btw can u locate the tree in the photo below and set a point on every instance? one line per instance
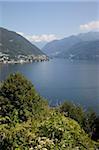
(18, 96)
(73, 111)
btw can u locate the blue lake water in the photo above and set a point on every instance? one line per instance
(59, 80)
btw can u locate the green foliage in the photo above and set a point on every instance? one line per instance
(65, 133)
(26, 121)
(95, 134)
(73, 111)
(54, 132)
(18, 98)
(88, 120)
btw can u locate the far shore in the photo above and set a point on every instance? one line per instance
(23, 61)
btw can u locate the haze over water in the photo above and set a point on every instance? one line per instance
(59, 80)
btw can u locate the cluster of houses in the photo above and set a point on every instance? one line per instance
(5, 58)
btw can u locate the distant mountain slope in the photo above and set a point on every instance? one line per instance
(56, 47)
(14, 44)
(89, 36)
(60, 48)
(83, 50)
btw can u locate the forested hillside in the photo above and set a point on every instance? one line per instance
(14, 44)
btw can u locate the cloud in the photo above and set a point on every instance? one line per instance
(90, 25)
(42, 38)
(39, 38)
(21, 33)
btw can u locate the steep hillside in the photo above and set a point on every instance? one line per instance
(14, 44)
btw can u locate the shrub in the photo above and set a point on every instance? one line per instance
(19, 99)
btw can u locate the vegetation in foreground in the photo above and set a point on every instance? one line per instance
(27, 122)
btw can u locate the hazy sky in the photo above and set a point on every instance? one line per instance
(41, 21)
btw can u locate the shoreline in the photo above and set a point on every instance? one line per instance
(23, 62)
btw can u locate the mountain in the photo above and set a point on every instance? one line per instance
(75, 44)
(14, 44)
(56, 47)
(89, 36)
(86, 50)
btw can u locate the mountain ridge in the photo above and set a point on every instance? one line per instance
(61, 47)
(14, 44)
(87, 50)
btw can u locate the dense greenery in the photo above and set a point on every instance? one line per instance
(27, 122)
(88, 120)
(19, 98)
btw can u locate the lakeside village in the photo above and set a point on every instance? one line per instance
(5, 58)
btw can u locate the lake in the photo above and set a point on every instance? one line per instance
(60, 79)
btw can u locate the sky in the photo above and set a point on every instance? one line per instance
(43, 21)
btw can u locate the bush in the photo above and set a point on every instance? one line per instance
(18, 98)
(53, 132)
(88, 120)
(26, 121)
(73, 111)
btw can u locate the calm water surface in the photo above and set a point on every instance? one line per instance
(59, 80)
